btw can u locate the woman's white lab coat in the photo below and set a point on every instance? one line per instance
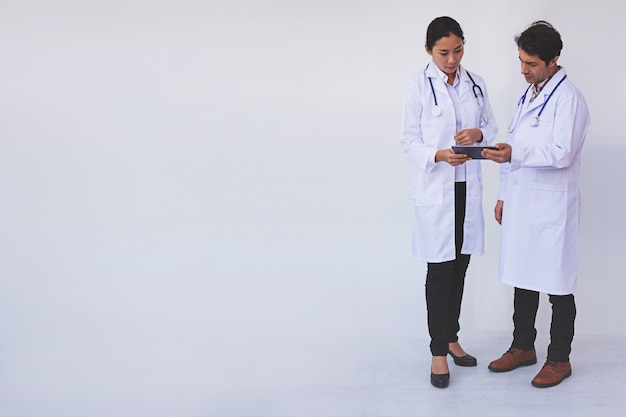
(422, 135)
(539, 187)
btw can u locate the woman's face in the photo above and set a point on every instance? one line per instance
(447, 53)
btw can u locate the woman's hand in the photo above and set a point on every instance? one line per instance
(448, 155)
(468, 137)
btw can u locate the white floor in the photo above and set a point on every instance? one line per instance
(390, 378)
(189, 374)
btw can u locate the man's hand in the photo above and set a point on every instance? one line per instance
(503, 154)
(498, 211)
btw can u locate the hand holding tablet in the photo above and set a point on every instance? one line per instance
(473, 152)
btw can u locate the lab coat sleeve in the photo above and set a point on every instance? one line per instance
(421, 156)
(488, 125)
(568, 134)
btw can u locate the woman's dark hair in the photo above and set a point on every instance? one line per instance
(540, 39)
(442, 27)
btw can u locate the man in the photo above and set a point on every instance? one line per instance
(538, 203)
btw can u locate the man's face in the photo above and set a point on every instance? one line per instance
(534, 69)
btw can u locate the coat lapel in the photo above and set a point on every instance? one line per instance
(544, 93)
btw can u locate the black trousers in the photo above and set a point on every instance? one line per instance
(525, 305)
(444, 286)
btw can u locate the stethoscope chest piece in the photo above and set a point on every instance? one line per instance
(436, 111)
(534, 122)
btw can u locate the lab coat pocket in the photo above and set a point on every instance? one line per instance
(429, 189)
(548, 204)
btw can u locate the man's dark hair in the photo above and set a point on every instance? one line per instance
(540, 39)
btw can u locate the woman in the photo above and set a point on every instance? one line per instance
(446, 105)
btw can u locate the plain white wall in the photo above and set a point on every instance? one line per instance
(218, 177)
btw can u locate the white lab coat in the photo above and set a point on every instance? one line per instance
(433, 183)
(539, 187)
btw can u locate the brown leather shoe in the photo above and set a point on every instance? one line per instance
(552, 374)
(513, 358)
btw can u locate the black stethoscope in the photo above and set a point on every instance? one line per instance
(437, 110)
(534, 122)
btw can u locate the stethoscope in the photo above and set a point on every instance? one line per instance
(437, 110)
(534, 122)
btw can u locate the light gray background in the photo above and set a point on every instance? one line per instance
(200, 199)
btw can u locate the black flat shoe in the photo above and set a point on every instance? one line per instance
(440, 380)
(467, 360)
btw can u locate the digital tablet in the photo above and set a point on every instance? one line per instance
(472, 151)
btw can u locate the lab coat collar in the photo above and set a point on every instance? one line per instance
(546, 90)
(556, 78)
(433, 72)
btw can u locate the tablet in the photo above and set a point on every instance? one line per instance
(472, 151)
